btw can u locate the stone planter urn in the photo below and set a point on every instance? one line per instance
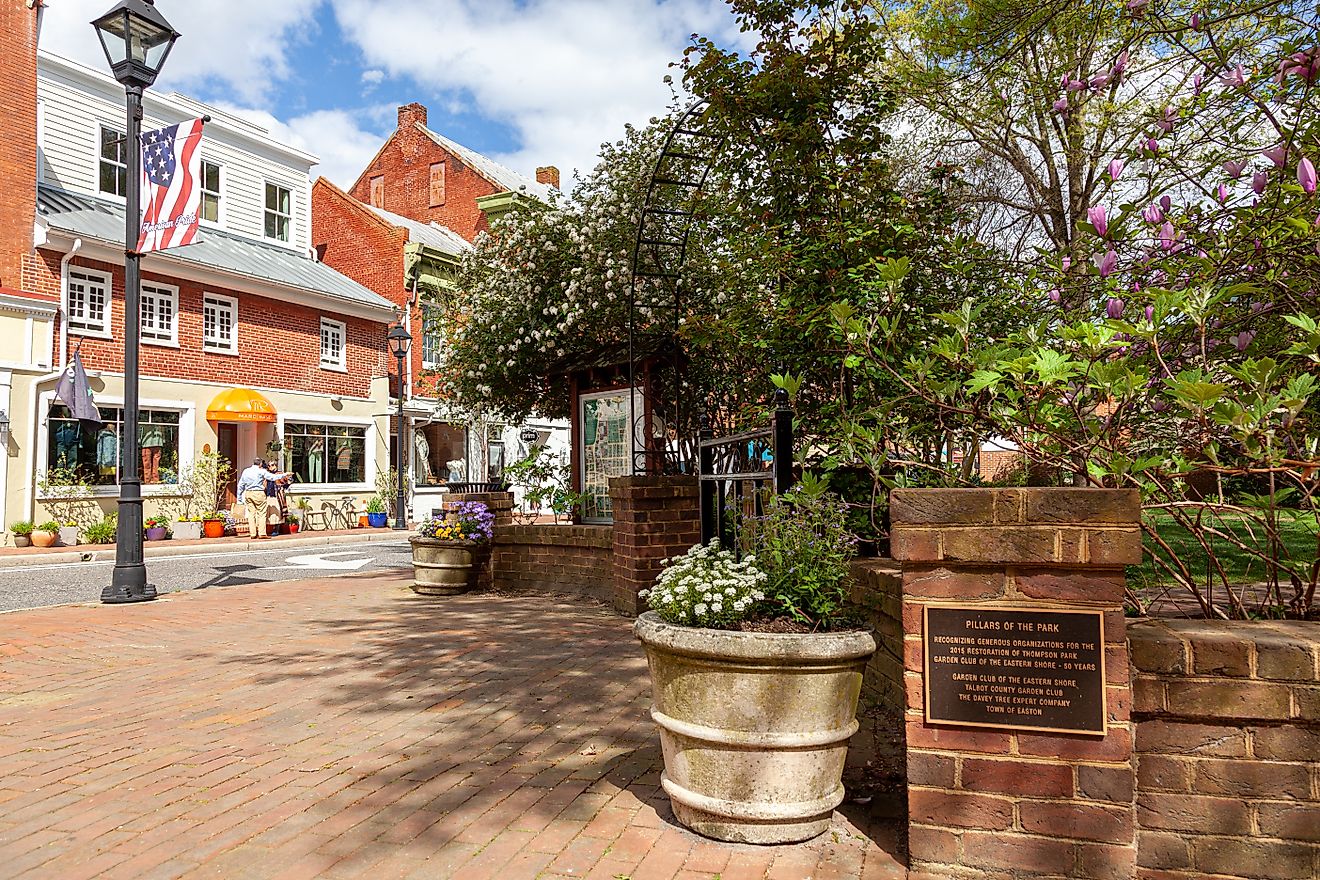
(445, 568)
(69, 536)
(187, 531)
(754, 726)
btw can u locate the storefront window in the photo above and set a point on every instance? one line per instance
(95, 454)
(440, 455)
(325, 453)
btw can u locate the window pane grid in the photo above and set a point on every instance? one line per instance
(325, 453)
(97, 455)
(278, 212)
(113, 174)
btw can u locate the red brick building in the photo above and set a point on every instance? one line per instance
(250, 346)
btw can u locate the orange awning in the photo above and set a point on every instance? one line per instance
(240, 405)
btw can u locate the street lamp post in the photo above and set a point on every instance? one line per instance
(399, 339)
(136, 39)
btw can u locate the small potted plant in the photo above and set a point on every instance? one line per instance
(188, 528)
(46, 534)
(291, 523)
(213, 524)
(103, 532)
(755, 674)
(376, 515)
(22, 532)
(448, 552)
(156, 527)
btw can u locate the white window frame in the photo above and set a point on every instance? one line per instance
(371, 438)
(155, 291)
(231, 303)
(99, 329)
(337, 327)
(267, 211)
(440, 342)
(100, 128)
(221, 218)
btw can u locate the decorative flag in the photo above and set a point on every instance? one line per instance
(74, 393)
(171, 186)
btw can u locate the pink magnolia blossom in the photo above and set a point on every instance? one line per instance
(1096, 216)
(1120, 64)
(1075, 85)
(1168, 120)
(1066, 263)
(1243, 339)
(1306, 175)
(1099, 81)
(1152, 145)
(1167, 236)
(1114, 308)
(1196, 21)
(1198, 82)
(1235, 78)
(1153, 214)
(1166, 203)
(1158, 405)
(1055, 295)
(1150, 313)
(1061, 105)
(1305, 65)
(1277, 154)
(1137, 7)
(1108, 263)
(1221, 193)
(1258, 181)
(1234, 168)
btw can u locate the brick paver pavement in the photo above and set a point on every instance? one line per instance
(346, 728)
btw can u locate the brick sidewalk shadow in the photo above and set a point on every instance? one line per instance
(346, 728)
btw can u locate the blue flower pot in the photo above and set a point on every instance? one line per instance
(377, 520)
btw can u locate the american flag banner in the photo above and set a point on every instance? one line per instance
(171, 186)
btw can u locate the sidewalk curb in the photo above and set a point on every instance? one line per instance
(152, 551)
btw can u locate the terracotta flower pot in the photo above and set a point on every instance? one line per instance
(754, 726)
(363, 522)
(44, 539)
(214, 528)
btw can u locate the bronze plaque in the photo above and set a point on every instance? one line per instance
(991, 666)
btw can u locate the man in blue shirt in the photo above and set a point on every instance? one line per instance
(252, 489)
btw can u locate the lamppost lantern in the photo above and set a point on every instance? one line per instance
(4, 428)
(136, 40)
(399, 339)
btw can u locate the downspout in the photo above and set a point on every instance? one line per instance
(64, 302)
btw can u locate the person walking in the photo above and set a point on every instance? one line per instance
(252, 489)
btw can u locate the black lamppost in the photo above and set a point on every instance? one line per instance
(399, 339)
(136, 39)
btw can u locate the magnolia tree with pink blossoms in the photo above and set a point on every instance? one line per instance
(1182, 355)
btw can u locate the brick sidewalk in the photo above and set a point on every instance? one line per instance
(346, 728)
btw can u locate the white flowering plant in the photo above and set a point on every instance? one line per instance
(707, 587)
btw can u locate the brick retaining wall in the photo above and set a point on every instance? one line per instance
(555, 558)
(1228, 749)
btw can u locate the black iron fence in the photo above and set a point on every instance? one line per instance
(739, 472)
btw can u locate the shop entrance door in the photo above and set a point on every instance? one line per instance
(227, 446)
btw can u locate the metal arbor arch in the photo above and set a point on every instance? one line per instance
(662, 441)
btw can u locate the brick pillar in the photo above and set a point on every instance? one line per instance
(654, 518)
(994, 802)
(500, 504)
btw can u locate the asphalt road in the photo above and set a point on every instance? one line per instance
(36, 586)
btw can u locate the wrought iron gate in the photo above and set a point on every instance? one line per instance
(737, 473)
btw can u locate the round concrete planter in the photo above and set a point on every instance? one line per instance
(754, 726)
(445, 568)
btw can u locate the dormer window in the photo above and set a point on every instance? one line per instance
(112, 177)
(279, 212)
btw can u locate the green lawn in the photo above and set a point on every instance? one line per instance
(1298, 536)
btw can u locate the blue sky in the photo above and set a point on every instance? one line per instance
(528, 82)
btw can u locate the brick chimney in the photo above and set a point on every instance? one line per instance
(548, 174)
(18, 148)
(410, 113)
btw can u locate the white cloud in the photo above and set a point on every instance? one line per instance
(239, 44)
(333, 135)
(566, 75)
(372, 77)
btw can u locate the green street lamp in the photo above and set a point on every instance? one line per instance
(400, 339)
(137, 39)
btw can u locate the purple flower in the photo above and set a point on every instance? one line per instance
(1221, 192)
(1099, 81)
(1137, 7)
(1152, 145)
(1153, 214)
(1096, 215)
(1120, 64)
(1066, 263)
(1243, 339)
(1166, 203)
(1115, 169)
(1150, 313)
(1167, 121)
(1196, 21)
(1235, 78)
(1075, 85)
(1055, 295)
(1108, 263)
(1306, 175)
(1234, 168)
(1113, 308)
(1277, 154)
(1061, 105)
(1198, 82)
(1258, 181)
(1166, 236)
(1159, 405)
